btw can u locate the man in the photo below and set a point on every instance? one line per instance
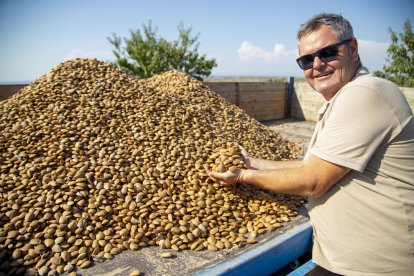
(359, 169)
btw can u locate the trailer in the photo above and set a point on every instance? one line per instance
(269, 256)
(274, 251)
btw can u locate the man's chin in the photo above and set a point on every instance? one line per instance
(325, 90)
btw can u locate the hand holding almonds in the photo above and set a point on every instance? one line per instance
(226, 164)
(226, 159)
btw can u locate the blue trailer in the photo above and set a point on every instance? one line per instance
(270, 256)
(274, 251)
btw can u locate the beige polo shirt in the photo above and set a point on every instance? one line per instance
(364, 225)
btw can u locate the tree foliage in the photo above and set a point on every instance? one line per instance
(400, 58)
(145, 54)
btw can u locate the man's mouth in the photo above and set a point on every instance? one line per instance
(322, 74)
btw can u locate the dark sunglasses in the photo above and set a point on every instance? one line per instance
(325, 54)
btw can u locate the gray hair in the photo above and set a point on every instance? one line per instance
(337, 22)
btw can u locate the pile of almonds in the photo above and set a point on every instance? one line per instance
(94, 161)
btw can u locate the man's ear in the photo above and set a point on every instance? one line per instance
(354, 49)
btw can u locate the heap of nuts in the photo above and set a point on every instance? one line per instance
(94, 162)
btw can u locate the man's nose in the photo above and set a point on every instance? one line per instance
(317, 62)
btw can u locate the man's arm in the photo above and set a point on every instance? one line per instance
(312, 178)
(263, 164)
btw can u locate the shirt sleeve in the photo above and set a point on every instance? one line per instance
(358, 124)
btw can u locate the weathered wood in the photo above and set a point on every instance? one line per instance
(221, 86)
(306, 102)
(265, 110)
(261, 86)
(262, 96)
(261, 100)
(6, 90)
(228, 95)
(267, 115)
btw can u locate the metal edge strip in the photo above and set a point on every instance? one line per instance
(268, 257)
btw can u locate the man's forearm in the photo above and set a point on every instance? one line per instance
(261, 164)
(288, 180)
(312, 178)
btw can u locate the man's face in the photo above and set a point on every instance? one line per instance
(329, 77)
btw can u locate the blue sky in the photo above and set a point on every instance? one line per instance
(247, 38)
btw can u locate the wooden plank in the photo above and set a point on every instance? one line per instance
(257, 106)
(8, 90)
(267, 115)
(276, 91)
(261, 96)
(228, 90)
(228, 95)
(261, 86)
(221, 86)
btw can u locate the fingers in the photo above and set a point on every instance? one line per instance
(209, 172)
(245, 157)
(225, 178)
(243, 151)
(206, 168)
(212, 174)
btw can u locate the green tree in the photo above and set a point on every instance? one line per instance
(145, 54)
(400, 58)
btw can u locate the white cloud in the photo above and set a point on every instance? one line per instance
(249, 52)
(254, 60)
(373, 54)
(79, 53)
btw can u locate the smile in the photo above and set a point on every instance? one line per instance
(323, 74)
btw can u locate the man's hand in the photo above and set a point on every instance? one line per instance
(245, 157)
(226, 178)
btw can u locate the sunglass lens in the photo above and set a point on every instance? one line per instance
(329, 53)
(306, 61)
